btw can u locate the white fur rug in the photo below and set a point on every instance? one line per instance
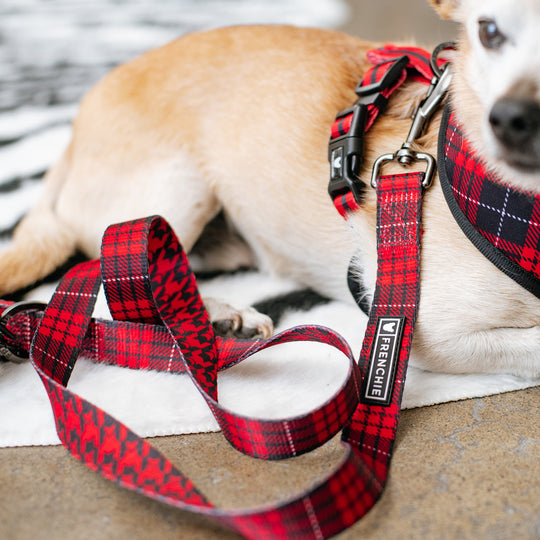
(284, 381)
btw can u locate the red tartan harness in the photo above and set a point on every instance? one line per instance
(501, 221)
(160, 323)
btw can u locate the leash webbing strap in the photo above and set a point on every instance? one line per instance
(148, 280)
(387, 343)
(122, 343)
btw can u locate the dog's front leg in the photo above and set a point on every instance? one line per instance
(499, 350)
(245, 322)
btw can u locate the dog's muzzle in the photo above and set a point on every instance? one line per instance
(515, 122)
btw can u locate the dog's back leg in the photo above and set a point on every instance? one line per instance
(41, 242)
(220, 248)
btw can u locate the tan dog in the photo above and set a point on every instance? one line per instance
(237, 121)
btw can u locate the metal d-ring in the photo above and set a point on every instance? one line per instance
(435, 94)
(6, 352)
(377, 166)
(413, 156)
(435, 55)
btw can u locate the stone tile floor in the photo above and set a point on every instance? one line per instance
(464, 470)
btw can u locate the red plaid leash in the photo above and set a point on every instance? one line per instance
(152, 280)
(152, 293)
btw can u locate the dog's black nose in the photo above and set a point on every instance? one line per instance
(515, 122)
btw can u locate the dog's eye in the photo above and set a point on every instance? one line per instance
(490, 35)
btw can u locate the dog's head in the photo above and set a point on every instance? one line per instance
(496, 91)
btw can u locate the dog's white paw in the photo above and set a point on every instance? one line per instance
(245, 323)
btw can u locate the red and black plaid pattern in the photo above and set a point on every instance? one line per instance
(372, 428)
(419, 62)
(110, 448)
(418, 68)
(138, 346)
(505, 216)
(293, 436)
(124, 271)
(65, 321)
(346, 203)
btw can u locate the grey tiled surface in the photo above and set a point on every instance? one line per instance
(465, 470)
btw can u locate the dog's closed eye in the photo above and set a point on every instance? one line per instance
(490, 35)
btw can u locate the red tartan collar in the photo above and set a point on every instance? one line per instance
(501, 221)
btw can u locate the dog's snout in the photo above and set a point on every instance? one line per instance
(515, 122)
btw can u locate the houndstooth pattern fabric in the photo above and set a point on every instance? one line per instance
(162, 277)
(502, 221)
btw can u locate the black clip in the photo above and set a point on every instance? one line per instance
(346, 152)
(389, 79)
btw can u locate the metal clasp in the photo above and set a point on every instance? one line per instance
(7, 351)
(412, 156)
(406, 155)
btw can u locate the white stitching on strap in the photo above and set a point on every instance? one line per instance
(69, 293)
(503, 214)
(126, 278)
(289, 438)
(313, 519)
(54, 358)
(171, 356)
(492, 208)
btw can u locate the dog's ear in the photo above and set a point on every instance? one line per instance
(446, 8)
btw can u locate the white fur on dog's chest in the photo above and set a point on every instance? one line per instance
(472, 317)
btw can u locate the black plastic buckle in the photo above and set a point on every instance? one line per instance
(346, 154)
(389, 79)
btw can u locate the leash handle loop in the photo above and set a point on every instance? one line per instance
(148, 280)
(108, 447)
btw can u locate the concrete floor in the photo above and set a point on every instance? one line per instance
(464, 470)
(467, 470)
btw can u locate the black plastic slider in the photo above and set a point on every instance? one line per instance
(389, 79)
